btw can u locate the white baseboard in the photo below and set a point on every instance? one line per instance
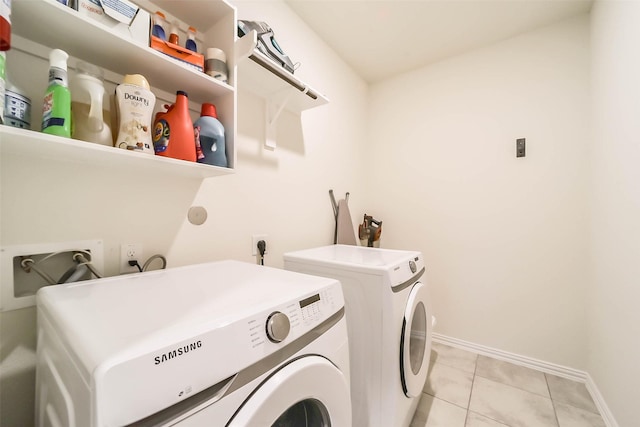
(605, 412)
(539, 365)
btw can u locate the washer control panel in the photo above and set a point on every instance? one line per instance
(277, 326)
(412, 266)
(293, 319)
(406, 269)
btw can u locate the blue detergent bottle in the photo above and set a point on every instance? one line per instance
(191, 40)
(159, 22)
(209, 137)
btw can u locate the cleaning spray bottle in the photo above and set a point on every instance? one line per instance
(56, 110)
(173, 130)
(209, 137)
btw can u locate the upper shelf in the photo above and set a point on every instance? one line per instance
(262, 76)
(36, 145)
(52, 24)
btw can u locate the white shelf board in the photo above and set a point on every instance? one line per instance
(271, 86)
(37, 145)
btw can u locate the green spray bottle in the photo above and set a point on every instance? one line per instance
(56, 111)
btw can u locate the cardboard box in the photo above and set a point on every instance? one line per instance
(122, 16)
(179, 53)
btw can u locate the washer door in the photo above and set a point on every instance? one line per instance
(415, 339)
(308, 392)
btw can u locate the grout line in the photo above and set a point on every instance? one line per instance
(553, 403)
(444, 400)
(473, 381)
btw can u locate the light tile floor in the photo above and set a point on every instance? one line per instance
(465, 389)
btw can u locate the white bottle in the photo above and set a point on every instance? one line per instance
(90, 118)
(134, 110)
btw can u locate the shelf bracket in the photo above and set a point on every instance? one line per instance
(274, 106)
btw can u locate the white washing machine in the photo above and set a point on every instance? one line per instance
(389, 322)
(217, 344)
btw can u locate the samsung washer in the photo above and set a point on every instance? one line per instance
(389, 321)
(217, 344)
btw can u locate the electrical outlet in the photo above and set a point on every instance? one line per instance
(254, 243)
(130, 252)
(520, 147)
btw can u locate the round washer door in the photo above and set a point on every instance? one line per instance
(308, 392)
(415, 339)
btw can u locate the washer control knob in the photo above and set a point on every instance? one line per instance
(278, 326)
(412, 266)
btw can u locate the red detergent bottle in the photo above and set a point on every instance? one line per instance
(173, 131)
(5, 25)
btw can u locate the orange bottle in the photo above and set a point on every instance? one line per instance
(5, 25)
(173, 131)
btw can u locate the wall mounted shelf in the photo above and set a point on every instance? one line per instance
(41, 25)
(280, 88)
(37, 145)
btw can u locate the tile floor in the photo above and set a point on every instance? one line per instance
(465, 389)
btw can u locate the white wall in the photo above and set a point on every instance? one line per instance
(614, 321)
(431, 153)
(504, 238)
(283, 193)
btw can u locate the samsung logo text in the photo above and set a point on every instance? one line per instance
(177, 352)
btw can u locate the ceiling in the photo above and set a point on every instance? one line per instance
(382, 38)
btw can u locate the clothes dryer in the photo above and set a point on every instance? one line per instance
(217, 344)
(389, 321)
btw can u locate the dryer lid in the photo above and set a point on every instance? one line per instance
(353, 257)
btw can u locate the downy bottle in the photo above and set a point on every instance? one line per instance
(134, 111)
(56, 110)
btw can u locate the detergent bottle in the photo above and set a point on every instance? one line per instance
(3, 60)
(134, 110)
(191, 40)
(90, 118)
(17, 106)
(209, 137)
(56, 110)
(5, 25)
(173, 131)
(159, 22)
